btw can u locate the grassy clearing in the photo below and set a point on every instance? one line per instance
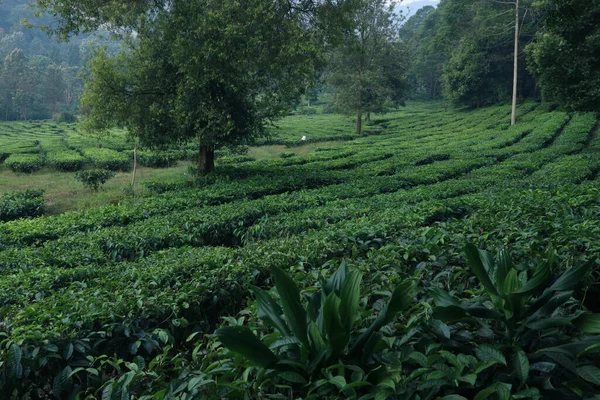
(63, 193)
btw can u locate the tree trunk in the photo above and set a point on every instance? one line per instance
(513, 116)
(206, 159)
(368, 117)
(134, 165)
(359, 121)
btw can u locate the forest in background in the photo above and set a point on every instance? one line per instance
(39, 75)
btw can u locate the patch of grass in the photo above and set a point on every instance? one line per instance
(64, 193)
(272, 152)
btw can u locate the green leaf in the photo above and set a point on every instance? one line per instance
(454, 397)
(350, 297)
(588, 323)
(502, 390)
(335, 281)
(488, 353)
(292, 306)
(539, 278)
(337, 335)
(570, 278)
(15, 368)
(318, 345)
(62, 382)
(590, 374)
(293, 377)
(511, 283)
(419, 358)
(531, 393)
(241, 340)
(269, 311)
(476, 259)
(338, 381)
(484, 394)
(402, 297)
(441, 298)
(562, 357)
(521, 364)
(503, 267)
(470, 378)
(557, 300)
(315, 338)
(548, 323)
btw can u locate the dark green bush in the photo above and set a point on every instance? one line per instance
(25, 204)
(287, 154)
(154, 159)
(108, 159)
(24, 163)
(94, 179)
(66, 161)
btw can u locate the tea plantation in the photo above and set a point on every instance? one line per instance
(377, 295)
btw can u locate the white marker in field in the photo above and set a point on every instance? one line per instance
(304, 138)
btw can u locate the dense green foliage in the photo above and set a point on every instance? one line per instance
(367, 70)
(38, 76)
(208, 71)
(564, 58)
(26, 204)
(131, 293)
(26, 163)
(95, 178)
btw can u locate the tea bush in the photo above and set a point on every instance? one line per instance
(108, 159)
(123, 300)
(24, 163)
(157, 159)
(26, 204)
(65, 161)
(94, 179)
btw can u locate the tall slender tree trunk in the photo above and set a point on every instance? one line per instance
(513, 116)
(134, 166)
(368, 119)
(359, 120)
(206, 159)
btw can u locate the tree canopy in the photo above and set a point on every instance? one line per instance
(367, 69)
(217, 71)
(565, 58)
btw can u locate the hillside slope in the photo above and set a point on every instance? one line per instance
(401, 201)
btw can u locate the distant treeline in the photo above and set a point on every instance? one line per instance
(39, 76)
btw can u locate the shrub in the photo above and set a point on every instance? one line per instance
(235, 159)
(108, 159)
(154, 159)
(25, 204)
(94, 179)
(25, 163)
(3, 156)
(323, 340)
(65, 117)
(306, 110)
(287, 154)
(66, 161)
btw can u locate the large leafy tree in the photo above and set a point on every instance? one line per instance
(368, 67)
(217, 71)
(565, 58)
